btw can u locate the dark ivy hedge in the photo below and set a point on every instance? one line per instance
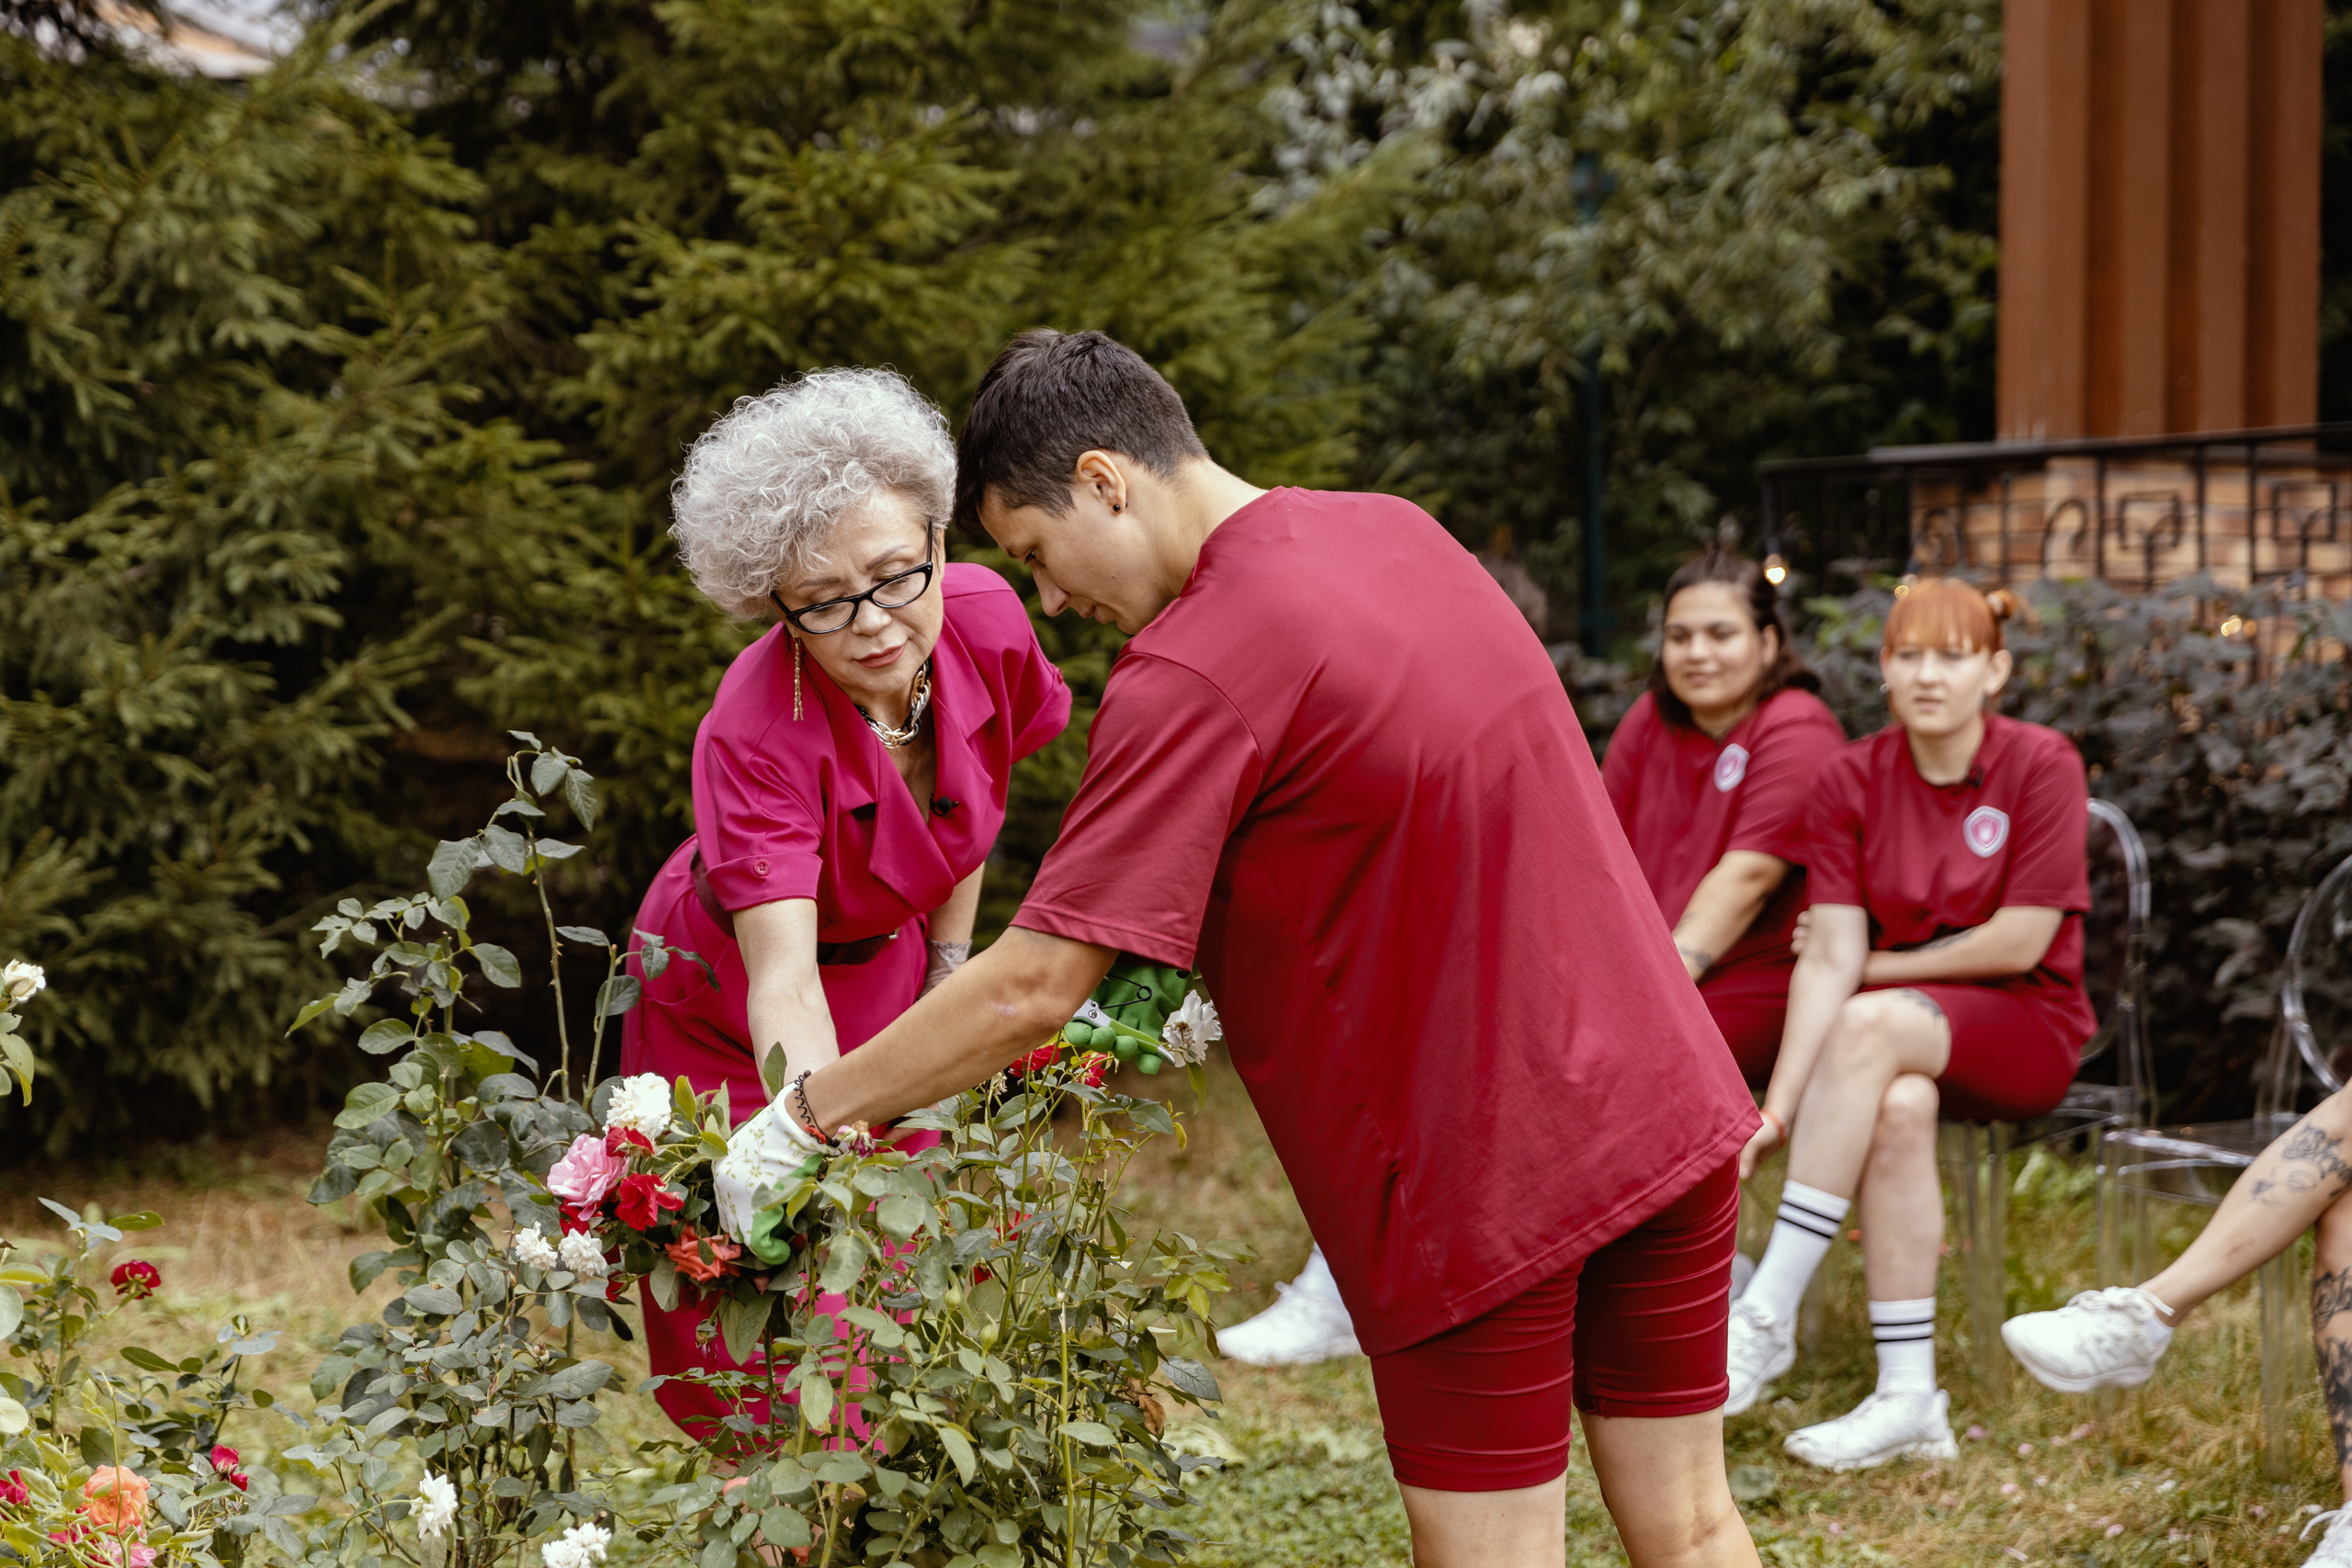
(2232, 756)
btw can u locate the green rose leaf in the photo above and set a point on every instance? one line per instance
(453, 863)
(959, 1448)
(508, 850)
(581, 791)
(1092, 1433)
(618, 994)
(438, 1300)
(499, 967)
(782, 1527)
(1191, 1377)
(385, 1036)
(12, 1310)
(901, 1216)
(14, 1419)
(546, 772)
(367, 1102)
(588, 934)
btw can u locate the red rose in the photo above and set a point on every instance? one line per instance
(1043, 1057)
(613, 1291)
(641, 1200)
(224, 1465)
(621, 1140)
(14, 1491)
(1096, 1065)
(575, 1218)
(135, 1280)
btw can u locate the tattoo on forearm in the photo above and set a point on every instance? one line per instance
(1698, 958)
(2304, 1161)
(1922, 998)
(2331, 1300)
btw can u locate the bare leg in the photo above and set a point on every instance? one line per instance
(1663, 1479)
(1901, 1206)
(2281, 1196)
(2332, 1328)
(1521, 1528)
(1878, 1036)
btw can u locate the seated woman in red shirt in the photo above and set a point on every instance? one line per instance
(1941, 969)
(850, 776)
(1711, 772)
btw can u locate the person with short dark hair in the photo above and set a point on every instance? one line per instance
(1336, 772)
(1710, 771)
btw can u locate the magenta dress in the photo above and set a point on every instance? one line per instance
(816, 809)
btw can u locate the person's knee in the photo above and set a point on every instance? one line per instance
(1906, 1112)
(1864, 1037)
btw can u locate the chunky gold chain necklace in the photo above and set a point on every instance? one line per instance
(895, 738)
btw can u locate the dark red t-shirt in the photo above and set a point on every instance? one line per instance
(1924, 859)
(1339, 772)
(1686, 799)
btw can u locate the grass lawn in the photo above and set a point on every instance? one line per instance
(2171, 1475)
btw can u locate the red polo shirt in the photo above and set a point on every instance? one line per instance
(1339, 774)
(1686, 800)
(1926, 859)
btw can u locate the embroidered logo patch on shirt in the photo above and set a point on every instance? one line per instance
(1730, 768)
(1987, 829)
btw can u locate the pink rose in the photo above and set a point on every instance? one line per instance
(586, 1172)
(115, 1499)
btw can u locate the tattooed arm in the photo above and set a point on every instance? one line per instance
(2011, 942)
(1724, 905)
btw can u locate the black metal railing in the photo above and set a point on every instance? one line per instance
(1930, 509)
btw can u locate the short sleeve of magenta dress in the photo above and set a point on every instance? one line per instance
(814, 808)
(1925, 859)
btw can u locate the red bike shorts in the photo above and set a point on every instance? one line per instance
(1484, 1406)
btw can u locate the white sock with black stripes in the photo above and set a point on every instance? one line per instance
(1906, 1332)
(1801, 1237)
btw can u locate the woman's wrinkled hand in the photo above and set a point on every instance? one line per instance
(1796, 937)
(1766, 1139)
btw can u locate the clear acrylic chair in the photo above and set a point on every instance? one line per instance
(2115, 976)
(2309, 1058)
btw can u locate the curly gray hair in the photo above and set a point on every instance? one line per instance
(763, 489)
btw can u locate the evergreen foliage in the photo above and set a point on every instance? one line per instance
(338, 408)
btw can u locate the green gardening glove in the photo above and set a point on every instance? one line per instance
(1128, 1010)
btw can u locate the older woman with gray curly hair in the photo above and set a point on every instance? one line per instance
(851, 775)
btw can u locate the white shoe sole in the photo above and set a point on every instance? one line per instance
(2131, 1377)
(1933, 1448)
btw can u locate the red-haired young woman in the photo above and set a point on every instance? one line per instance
(1940, 969)
(1711, 772)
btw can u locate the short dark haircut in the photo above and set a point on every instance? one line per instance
(1050, 398)
(1746, 581)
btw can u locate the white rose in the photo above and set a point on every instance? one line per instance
(20, 981)
(1185, 1038)
(438, 1502)
(590, 1539)
(641, 1104)
(582, 1256)
(531, 1247)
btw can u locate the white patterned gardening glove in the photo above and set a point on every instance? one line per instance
(764, 1154)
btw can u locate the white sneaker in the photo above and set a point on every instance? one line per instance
(2099, 1339)
(1307, 1324)
(1902, 1424)
(1743, 1269)
(2335, 1546)
(1762, 1349)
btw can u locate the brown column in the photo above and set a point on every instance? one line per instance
(2282, 284)
(2159, 216)
(2045, 199)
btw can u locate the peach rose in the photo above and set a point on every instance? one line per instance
(687, 1253)
(115, 1500)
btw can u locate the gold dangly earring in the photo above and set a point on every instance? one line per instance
(795, 678)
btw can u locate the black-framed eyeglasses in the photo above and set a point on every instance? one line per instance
(894, 593)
